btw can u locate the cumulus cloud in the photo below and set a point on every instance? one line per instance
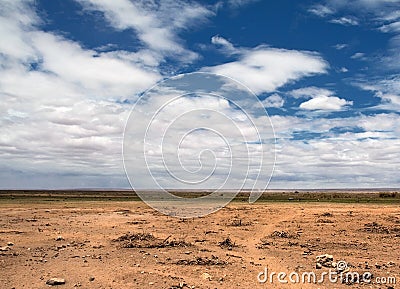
(155, 24)
(330, 103)
(388, 90)
(225, 44)
(348, 150)
(274, 100)
(310, 92)
(62, 105)
(321, 99)
(264, 69)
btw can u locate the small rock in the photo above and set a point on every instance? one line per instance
(91, 279)
(377, 266)
(206, 276)
(3, 249)
(151, 283)
(325, 256)
(59, 238)
(55, 281)
(318, 266)
(390, 263)
(10, 244)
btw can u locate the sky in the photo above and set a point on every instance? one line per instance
(327, 72)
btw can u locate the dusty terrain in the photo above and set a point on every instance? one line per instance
(110, 244)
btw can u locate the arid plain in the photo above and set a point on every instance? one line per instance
(117, 243)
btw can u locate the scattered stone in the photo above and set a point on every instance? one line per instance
(378, 266)
(318, 266)
(55, 281)
(206, 276)
(59, 238)
(203, 261)
(326, 260)
(327, 214)
(181, 285)
(91, 279)
(151, 283)
(3, 249)
(10, 244)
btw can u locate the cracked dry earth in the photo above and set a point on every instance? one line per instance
(129, 245)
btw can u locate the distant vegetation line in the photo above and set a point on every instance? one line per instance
(362, 196)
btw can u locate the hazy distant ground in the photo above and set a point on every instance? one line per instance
(351, 195)
(93, 242)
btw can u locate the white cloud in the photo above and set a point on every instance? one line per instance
(310, 92)
(227, 46)
(264, 69)
(340, 46)
(98, 74)
(381, 15)
(60, 110)
(274, 100)
(321, 10)
(329, 103)
(322, 99)
(155, 24)
(343, 69)
(388, 90)
(345, 21)
(335, 156)
(392, 27)
(358, 55)
(239, 3)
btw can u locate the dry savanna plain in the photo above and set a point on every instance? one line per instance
(284, 240)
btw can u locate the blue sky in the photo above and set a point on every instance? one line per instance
(327, 72)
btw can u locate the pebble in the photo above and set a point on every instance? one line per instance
(55, 281)
(59, 238)
(206, 276)
(91, 279)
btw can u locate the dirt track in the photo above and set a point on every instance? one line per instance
(228, 249)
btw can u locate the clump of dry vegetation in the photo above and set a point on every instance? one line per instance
(203, 261)
(374, 227)
(227, 244)
(284, 234)
(147, 240)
